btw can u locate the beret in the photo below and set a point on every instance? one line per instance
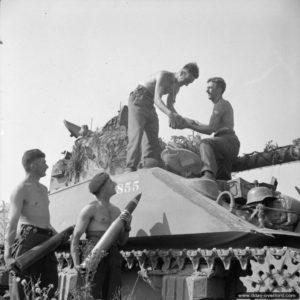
(30, 155)
(97, 182)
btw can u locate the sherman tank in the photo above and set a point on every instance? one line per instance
(190, 239)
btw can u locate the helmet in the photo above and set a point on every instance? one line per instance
(258, 194)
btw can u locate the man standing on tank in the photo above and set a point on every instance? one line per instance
(29, 206)
(94, 219)
(218, 152)
(143, 124)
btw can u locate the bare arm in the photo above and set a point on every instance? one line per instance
(162, 80)
(82, 223)
(165, 82)
(50, 226)
(16, 205)
(199, 127)
(215, 119)
(171, 100)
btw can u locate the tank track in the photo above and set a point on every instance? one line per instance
(277, 271)
(273, 269)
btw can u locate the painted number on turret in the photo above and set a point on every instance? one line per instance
(128, 187)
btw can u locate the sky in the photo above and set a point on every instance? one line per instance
(79, 60)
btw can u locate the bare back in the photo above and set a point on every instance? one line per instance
(35, 208)
(166, 83)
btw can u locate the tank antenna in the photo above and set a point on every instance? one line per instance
(91, 123)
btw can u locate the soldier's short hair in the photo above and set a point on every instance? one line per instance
(193, 69)
(29, 156)
(219, 81)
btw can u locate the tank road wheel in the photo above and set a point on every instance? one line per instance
(277, 271)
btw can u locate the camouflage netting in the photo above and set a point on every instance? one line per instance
(191, 142)
(104, 149)
(110, 149)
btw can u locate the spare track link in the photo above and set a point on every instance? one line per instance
(273, 269)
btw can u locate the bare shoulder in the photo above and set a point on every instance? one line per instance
(89, 209)
(44, 188)
(226, 104)
(115, 210)
(166, 75)
(222, 104)
(165, 81)
(92, 205)
(19, 193)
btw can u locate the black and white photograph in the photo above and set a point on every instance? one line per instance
(149, 150)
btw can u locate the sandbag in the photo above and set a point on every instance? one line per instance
(182, 161)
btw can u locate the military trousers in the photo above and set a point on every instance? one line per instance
(218, 153)
(106, 282)
(143, 127)
(43, 273)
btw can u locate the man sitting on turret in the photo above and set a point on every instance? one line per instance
(218, 152)
(94, 219)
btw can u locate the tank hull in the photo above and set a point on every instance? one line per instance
(170, 206)
(181, 238)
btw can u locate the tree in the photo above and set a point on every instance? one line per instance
(3, 220)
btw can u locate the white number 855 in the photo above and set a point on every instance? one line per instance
(127, 187)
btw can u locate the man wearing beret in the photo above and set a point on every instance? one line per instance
(29, 206)
(142, 117)
(94, 219)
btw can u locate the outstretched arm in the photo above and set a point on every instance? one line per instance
(199, 127)
(215, 119)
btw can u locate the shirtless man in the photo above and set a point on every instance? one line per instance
(218, 152)
(29, 206)
(142, 118)
(94, 219)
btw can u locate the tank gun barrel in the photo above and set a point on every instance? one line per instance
(277, 156)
